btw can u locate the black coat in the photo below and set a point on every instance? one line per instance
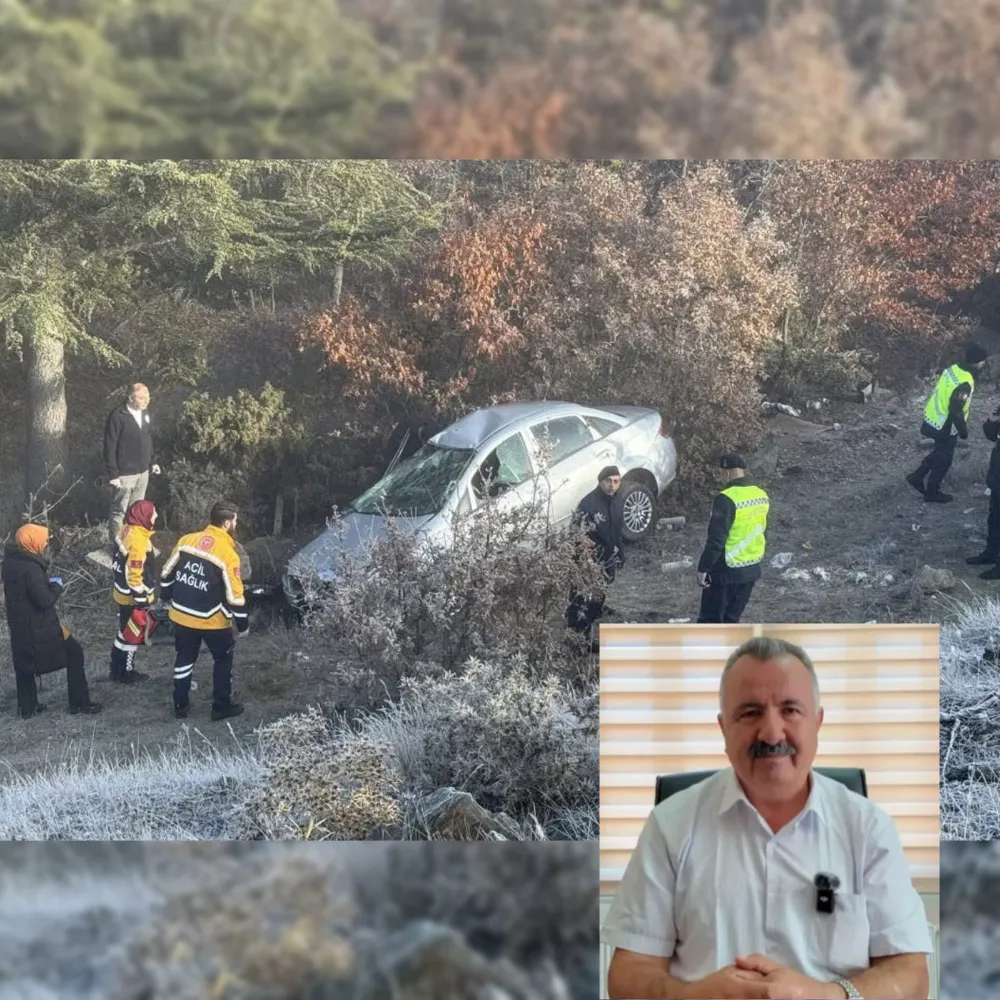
(991, 428)
(602, 518)
(36, 638)
(128, 449)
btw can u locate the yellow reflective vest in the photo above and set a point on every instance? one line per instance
(746, 540)
(936, 410)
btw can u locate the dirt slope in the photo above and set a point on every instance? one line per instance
(840, 507)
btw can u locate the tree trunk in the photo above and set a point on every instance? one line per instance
(279, 512)
(46, 474)
(338, 281)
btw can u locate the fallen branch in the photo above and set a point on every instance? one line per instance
(972, 710)
(951, 743)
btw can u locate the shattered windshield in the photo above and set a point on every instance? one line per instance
(418, 486)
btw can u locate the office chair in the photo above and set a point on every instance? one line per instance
(669, 784)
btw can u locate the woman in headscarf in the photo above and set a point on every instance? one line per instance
(134, 584)
(40, 645)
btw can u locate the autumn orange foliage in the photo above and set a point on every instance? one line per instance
(588, 281)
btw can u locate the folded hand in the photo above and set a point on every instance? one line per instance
(782, 983)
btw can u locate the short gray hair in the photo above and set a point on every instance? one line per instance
(765, 647)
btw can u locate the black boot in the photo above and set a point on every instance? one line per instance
(983, 559)
(130, 677)
(938, 497)
(88, 708)
(229, 712)
(916, 480)
(993, 573)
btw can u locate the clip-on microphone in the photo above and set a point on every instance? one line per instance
(825, 892)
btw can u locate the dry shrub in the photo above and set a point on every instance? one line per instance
(320, 784)
(496, 591)
(520, 745)
(672, 308)
(807, 371)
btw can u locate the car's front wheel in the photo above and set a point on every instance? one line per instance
(638, 508)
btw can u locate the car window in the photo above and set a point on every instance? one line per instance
(508, 465)
(602, 426)
(418, 486)
(558, 439)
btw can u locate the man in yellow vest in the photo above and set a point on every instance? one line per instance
(730, 563)
(945, 421)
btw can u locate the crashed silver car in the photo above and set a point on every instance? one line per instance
(512, 454)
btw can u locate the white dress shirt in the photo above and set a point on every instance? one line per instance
(709, 880)
(137, 416)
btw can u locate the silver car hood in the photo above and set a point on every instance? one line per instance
(353, 537)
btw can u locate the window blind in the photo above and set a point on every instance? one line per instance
(879, 687)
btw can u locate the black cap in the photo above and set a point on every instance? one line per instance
(732, 461)
(607, 472)
(975, 354)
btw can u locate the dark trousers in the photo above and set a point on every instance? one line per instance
(937, 462)
(585, 609)
(221, 643)
(993, 524)
(122, 654)
(76, 681)
(724, 602)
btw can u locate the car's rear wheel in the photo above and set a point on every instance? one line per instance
(638, 509)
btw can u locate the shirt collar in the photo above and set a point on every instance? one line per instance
(733, 793)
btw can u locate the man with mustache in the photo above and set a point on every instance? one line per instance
(719, 898)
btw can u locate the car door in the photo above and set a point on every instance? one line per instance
(506, 480)
(567, 449)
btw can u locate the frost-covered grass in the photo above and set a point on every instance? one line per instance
(525, 749)
(187, 791)
(970, 732)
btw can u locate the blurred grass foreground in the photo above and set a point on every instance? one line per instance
(298, 921)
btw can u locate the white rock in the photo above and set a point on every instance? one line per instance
(781, 560)
(672, 567)
(678, 621)
(821, 573)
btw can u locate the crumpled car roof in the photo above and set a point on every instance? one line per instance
(472, 430)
